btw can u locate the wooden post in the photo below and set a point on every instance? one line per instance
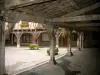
(69, 43)
(57, 39)
(82, 39)
(2, 43)
(78, 41)
(50, 29)
(12, 38)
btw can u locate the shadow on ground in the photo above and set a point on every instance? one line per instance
(85, 62)
(65, 65)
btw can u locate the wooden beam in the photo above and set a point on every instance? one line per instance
(84, 10)
(88, 25)
(16, 16)
(84, 24)
(76, 18)
(33, 2)
(90, 29)
(73, 4)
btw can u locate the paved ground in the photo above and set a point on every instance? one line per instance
(85, 62)
(19, 59)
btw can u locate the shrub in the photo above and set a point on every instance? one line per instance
(55, 51)
(24, 25)
(34, 46)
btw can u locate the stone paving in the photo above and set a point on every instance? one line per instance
(85, 62)
(22, 59)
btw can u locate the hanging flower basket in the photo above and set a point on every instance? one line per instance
(35, 37)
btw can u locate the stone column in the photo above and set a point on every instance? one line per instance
(18, 42)
(78, 41)
(18, 35)
(70, 42)
(2, 44)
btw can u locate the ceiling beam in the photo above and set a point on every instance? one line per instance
(76, 18)
(73, 4)
(89, 28)
(33, 2)
(84, 10)
(83, 24)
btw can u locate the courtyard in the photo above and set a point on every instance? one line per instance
(22, 59)
(68, 28)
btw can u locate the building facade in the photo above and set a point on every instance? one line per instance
(23, 36)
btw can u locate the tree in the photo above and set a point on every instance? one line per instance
(63, 32)
(60, 32)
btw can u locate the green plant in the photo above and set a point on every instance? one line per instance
(63, 31)
(55, 51)
(33, 46)
(24, 25)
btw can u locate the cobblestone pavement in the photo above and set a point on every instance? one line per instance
(85, 62)
(20, 59)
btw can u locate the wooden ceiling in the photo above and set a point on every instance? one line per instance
(51, 9)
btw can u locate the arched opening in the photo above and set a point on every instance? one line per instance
(26, 39)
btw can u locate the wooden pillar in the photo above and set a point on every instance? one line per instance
(52, 46)
(57, 38)
(78, 41)
(12, 38)
(50, 30)
(82, 39)
(70, 42)
(2, 44)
